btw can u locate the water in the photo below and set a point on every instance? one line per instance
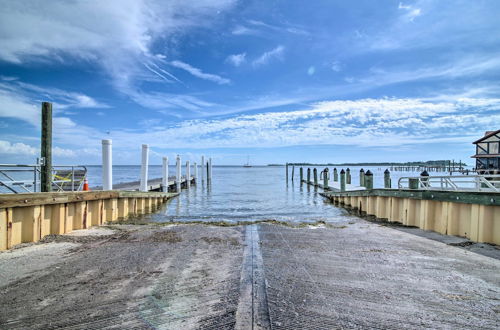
(246, 194)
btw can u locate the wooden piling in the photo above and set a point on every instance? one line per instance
(308, 175)
(348, 176)
(301, 173)
(342, 180)
(326, 175)
(387, 179)
(315, 175)
(362, 177)
(369, 180)
(335, 175)
(46, 148)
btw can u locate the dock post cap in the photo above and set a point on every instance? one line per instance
(368, 173)
(342, 172)
(424, 173)
(107, 142)
(361, 170)
(387, 171)
(348, 169)
(145, 146)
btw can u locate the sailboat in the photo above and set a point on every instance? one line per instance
(247, 163)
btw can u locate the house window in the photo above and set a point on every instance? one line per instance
(482, 148)
(493, 148)
(493, 163)
(482, 163)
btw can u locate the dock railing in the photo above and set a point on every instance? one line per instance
(20, 178)
(487, 183)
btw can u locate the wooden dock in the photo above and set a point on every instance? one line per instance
(153, 184)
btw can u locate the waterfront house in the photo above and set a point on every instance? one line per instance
(488, 153)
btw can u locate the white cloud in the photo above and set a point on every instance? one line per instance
(8, 148)
(236, 59)
(336, 66)
(364, 122)
(266, 57)
(116, 34)
(200, 74)
(411, 12)
(242, 30)
(14, 106)
(311, 70)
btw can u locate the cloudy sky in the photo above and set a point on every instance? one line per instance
(278, 80)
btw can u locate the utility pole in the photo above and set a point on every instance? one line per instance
(46, 148)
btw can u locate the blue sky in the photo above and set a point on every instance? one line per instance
(315, 81)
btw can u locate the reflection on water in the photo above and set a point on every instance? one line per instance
(245, 194)
(259, 193)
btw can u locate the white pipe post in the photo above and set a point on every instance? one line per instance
(202, 168)
(164, 181)
(188, 175)
(209, 170)
(195, 172)
(107, 165)
(178, 173)
(144, 168)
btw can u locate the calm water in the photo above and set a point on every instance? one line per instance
(245, 194)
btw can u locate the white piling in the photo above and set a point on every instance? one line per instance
(195, 172)
(188, 174)
(164, 181)
(144, 168)
(107, 165)
(202, 168)
(178, 173)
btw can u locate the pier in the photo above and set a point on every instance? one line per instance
(465, 206)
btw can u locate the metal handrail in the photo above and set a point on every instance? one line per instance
(9, 182)
(489, 183)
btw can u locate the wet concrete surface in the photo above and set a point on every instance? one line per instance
(354, 275)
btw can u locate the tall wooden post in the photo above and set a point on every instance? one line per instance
(326, 175)
(342, 180)
(362, 177)
(369, 180)
(46, 148)
(315, 175)
(335, 175)
(387, 179)
(286, 168)
(301, 173)
(348, 176)
(308, 175)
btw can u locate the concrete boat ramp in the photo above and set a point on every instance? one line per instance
(355, 274)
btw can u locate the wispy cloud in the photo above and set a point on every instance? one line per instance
(363, 122)
(266, 57)
(411, 12)
(243, 30)
(236, 59)
(200, 74)
(117, 35)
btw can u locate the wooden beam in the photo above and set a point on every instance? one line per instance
(46, 148)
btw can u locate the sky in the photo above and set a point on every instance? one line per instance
(276, 81)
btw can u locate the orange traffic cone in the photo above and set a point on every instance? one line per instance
(86, 185)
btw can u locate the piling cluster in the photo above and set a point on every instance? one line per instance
(107, 170)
